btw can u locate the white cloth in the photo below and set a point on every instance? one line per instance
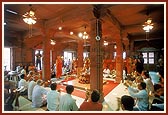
(39, 96)
(106, 72)
(19, 68)
(23, 71)
(31, 85)
(141, 98)
(67, 103)
(149, 85)
(53, 100)
(22, 85)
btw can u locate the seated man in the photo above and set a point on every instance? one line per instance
(93, 103)
(141, 96)
(67, 103)
(53, 98)
(39, 95)
(126, 102)
(22, 85)
(31, 67)
(31, 84)
(106, 72)
(10, 95)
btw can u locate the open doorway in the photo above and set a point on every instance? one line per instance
(7, 59)
(67, 57)
(38, 59)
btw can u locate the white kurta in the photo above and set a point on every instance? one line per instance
(67, 103)
(38, 96)
(53, 100)
(149, 85)
(106, 73)
(22, 85)
(31, 85)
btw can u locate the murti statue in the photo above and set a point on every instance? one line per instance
(84, 77)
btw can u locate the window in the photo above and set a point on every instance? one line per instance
(148, 57)
(145, 58)
(7, 59)
(67, 56)
(151, 58)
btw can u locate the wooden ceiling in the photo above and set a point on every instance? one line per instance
(76, 16)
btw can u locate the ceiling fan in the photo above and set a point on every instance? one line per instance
(15, 15)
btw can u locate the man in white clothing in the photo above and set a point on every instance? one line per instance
(39, 95)
(23, 71)
(22, 85)
(67, 103)
(106, 72)
(53, 98)
(31, 85)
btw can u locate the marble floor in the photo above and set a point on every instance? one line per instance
(110, 103)
(110, 100)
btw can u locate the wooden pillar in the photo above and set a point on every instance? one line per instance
(80, 57)
(126, 43)
(131, 47)
(96, 55)
(112, 52)
(46, 71)
(127, 50)
(119, 59)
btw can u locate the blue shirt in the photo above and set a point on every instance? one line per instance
(142, 98)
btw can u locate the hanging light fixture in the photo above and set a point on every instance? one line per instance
(52, 42)
(29, 17)
(83, 35)
(105, 43)
(148, 25)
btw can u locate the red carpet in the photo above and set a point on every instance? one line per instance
(107, 88)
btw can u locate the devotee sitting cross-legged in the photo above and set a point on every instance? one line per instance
(39, 95)
(31, 84)
(53, 98)
(67, 103)
(91, 102)
(141, 95)
(22, 85)
(106, 72)
(126, 103)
